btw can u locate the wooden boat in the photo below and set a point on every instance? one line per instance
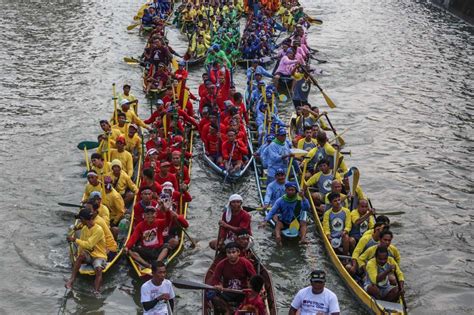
(260, 177)
(269, 296)
(231, 177)
(370, 303)
(142, 271)
(73, 248)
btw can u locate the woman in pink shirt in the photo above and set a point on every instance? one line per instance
(286, 65)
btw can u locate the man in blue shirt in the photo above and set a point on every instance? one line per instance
(287, 208)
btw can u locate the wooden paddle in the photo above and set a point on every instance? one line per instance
(341, 140)
(353, 184)
(326, 97)
(132, 26)
(131, 60)
(402, 295)
(339, 136)
(186, 284)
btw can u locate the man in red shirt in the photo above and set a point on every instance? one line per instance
(233, 152)
(233, 272)
(150, 233)
(212, 144)
(139, 208)
(164, 175)
(176, 168)
(233, 220)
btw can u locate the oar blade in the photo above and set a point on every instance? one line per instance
(69, 205)
(131, 27)
(328, 100)
(186, 284)
(89, 145)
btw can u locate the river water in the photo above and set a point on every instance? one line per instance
(401, 73)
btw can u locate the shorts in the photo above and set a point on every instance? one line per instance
(95, 261)
(384, 290)
(148, 254)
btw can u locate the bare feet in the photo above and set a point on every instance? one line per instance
(278, 241)
(68, 284)
(303, 241)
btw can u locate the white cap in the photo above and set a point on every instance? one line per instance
(124, 102)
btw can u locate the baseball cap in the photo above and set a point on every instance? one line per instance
(317, 276)
(280, 171)
(95, 194)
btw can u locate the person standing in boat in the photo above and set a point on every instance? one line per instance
(288, 208)
(233, 220)
(157, 294)
(315, 299)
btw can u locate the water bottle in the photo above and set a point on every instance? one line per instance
(123, 227)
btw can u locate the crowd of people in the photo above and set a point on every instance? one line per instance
(302, 168)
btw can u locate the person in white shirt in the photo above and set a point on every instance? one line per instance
(157, 295)
(315, 299)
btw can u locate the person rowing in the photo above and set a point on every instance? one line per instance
(122, 183)
(386, 237)
(233, 272)
(93, 184)
(150, 234)
(122, 155)
(114, 202)
(378, 282)
(244, 240)
(322, 181)
(337, 225)
(369, 238)
(234, 219)
(362, 220)
(92, 249)
(275, 189)
(253, 302)
(287, 208)
(278, 153)
(315, 299)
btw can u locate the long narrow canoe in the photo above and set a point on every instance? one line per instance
(142, 271)
(370, 303)
(87, 269)
(268, 297)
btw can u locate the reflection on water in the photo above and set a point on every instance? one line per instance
(401, 75)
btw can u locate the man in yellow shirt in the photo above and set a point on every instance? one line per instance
(108, 137)
(104, 212)
(337, 224)
(378, 283)
(131, 115)
(324, 151)
(362, 219)
(114, 201)
(386, 237)
(322, 181)
(93, 184)
(101, 167)
(368, 239)
(92, 249)
(122, 182)
(110, 242)
(308, 142)
(123, 156)
(133, 142)
(122, 124)
(126, 95)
